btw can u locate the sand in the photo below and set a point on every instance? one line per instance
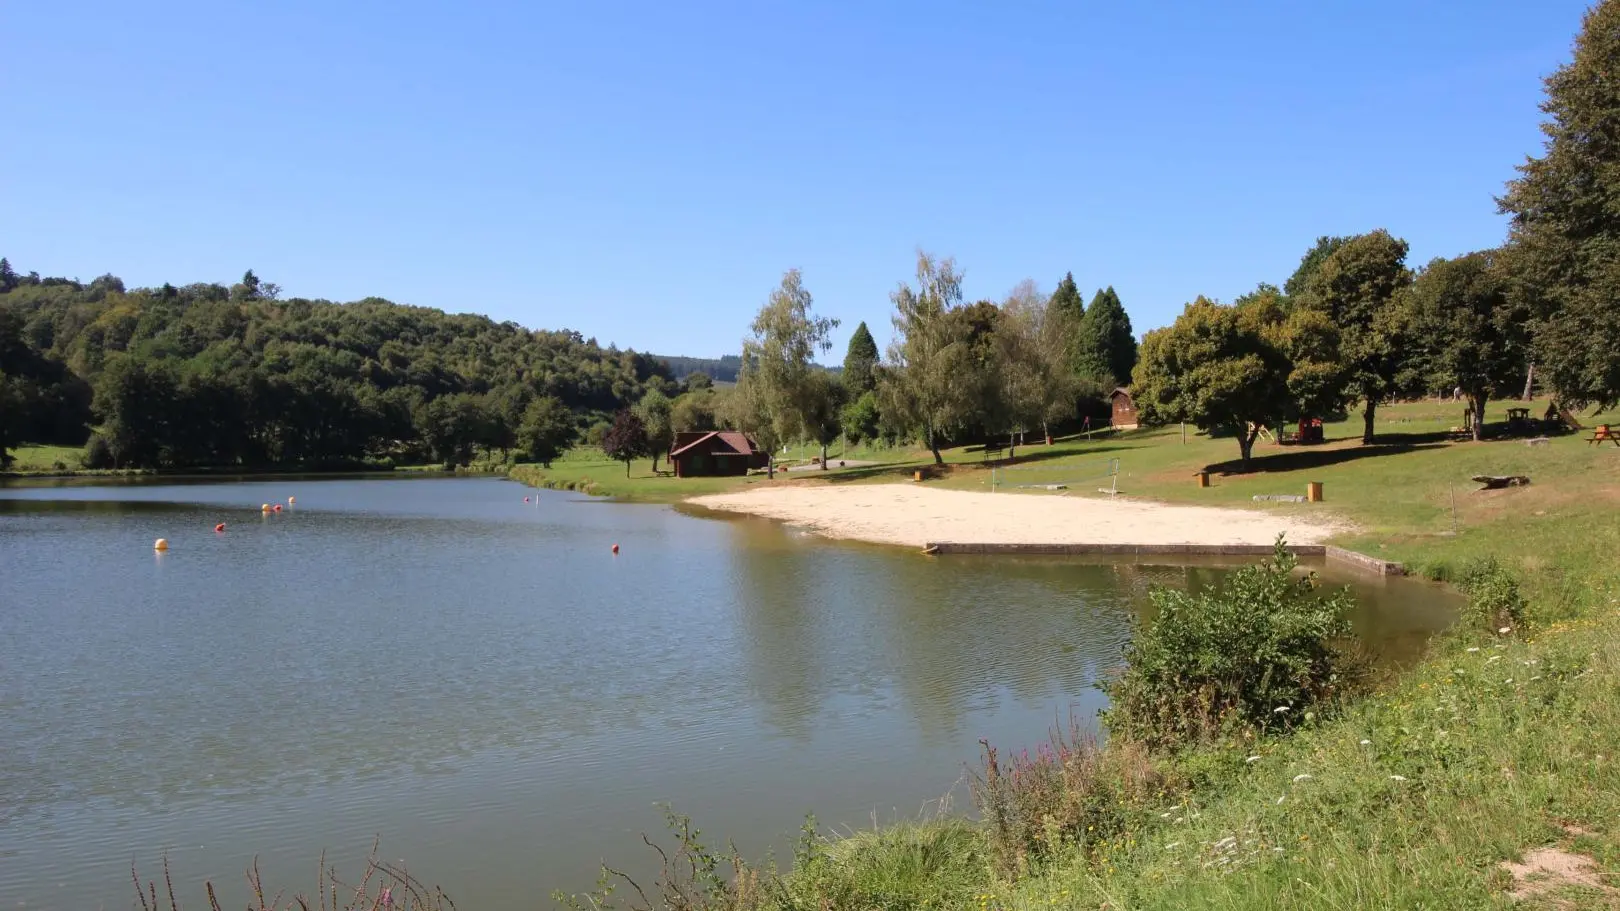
(915, 515)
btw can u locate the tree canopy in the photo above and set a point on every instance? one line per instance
(1468, 332)
(1105, 345)
(777, 378)
(860, 361)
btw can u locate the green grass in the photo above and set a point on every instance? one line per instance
(37, 458)
(1495, 745)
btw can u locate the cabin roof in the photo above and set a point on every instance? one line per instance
(721, 443)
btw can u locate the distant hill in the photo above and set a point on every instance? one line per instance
(720, 369)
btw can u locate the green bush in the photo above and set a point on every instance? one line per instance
(1254, 656)
(1494, 599)
(97, 453)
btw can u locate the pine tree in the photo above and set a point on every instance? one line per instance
(8, 277)
(859, 363)
(1565, 233)
(1067, 301)
(1105, 343)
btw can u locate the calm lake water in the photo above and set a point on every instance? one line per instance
(483, 684)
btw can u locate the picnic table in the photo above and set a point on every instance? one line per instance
(1603, 433)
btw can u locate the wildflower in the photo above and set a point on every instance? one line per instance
(1474, 648)
(1509, 680)
(1300, 778)
(1365, 742)
(1252, 759)
(1397, 778)
(1505, 630)
(1279, 710)
(1280, 800)
(1172, 846)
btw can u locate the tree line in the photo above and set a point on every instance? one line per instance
(210, 375)
(1356, 324)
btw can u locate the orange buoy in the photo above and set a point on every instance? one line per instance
(615, 548)
(219, 527)
(264, 508)
(291, 500)
(160, 545)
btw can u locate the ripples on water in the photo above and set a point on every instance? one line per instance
(484, 684)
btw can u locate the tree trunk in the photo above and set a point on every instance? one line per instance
(770, 467)
(1367, 428)
(1046, 431)
(933, 446)
(1529, 382)
(823, 456)
(627, 468)
(1476, 403)
(655, 461)
(1246, 438)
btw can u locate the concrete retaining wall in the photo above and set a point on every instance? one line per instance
(1329, 553)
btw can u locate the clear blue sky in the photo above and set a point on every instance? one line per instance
(645, 172)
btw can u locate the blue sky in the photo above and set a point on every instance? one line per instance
(644, 173)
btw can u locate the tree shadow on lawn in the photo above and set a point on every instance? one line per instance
(903, 470)
(1301, 459)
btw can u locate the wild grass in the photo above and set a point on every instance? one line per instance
(382, 886)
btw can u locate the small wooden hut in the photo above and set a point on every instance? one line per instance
(1124, 416)
(715, 453)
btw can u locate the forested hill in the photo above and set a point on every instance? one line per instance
(206, 374)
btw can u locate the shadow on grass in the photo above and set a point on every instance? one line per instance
(1300, 459)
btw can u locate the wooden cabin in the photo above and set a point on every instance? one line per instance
(715, 453)
(1124, 416)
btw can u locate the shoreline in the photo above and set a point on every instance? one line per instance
(905, 515)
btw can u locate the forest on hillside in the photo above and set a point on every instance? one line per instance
(214, 375)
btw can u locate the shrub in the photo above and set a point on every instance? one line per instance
(1252, 656)
(1069, 792)
(1494, 599)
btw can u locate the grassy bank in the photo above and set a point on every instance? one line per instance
(1500, 748)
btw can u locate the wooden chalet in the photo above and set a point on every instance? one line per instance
(715, 453)
(1124, 416)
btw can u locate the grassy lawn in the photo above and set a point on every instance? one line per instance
(31, 457)
(1497, 745)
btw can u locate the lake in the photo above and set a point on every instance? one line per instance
(486, 686)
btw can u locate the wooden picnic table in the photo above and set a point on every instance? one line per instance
(1603, 433)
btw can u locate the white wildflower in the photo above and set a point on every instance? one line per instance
(1397, 778)
(1252, 759)
(1365, 742)
(1474, 648)
(1493, 658)
(1280, 800)
(1300, 778)
(1172, 846)
(1279, 710)
(1505, 630)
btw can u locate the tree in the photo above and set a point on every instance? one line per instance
(626, 439)
(1037, 384)
(929, 386)
(860, 418)
(824, 420)
(697, 381)
(1238, 368)
(1469, 332)
(1565, 227)
(654, 410)
(1105, 345)
(547, 429)
(9, 279)
(1066, 300)
(1309, 263)
(778, 369)
(1356, 288)
(10, 420)
(697, 410)
(452, 426)
(859, 362)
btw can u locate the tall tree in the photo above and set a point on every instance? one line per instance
(1469, 332)
(9, 279)
(1066, 300)
(626, 439)
(778, 360)
(547, 429)
(10, 420)
(1038, 386)
(1238, 368)
(859, 362)
(1564, 239)
(654, 409)
(1356, 288)
(1105, 344)
(928, 385)
(824, 420)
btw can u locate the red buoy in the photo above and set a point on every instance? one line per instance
(615, 548)
(219, 527)
(525, 499)
(276, 508)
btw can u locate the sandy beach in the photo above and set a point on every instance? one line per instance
(915, 515)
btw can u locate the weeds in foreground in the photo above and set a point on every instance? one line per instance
(1070, 793)
(382, 887)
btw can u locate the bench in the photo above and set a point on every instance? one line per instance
(1603, 433)
(993, 449)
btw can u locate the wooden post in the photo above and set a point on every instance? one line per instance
(1203, 479)
(1313, 491)
(1183, 433)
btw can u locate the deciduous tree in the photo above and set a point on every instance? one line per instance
(778, 364)
(547, 429)
(1564, 239)
(930, 384)
(1468, 331)
(626, 439)
(654, 410)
